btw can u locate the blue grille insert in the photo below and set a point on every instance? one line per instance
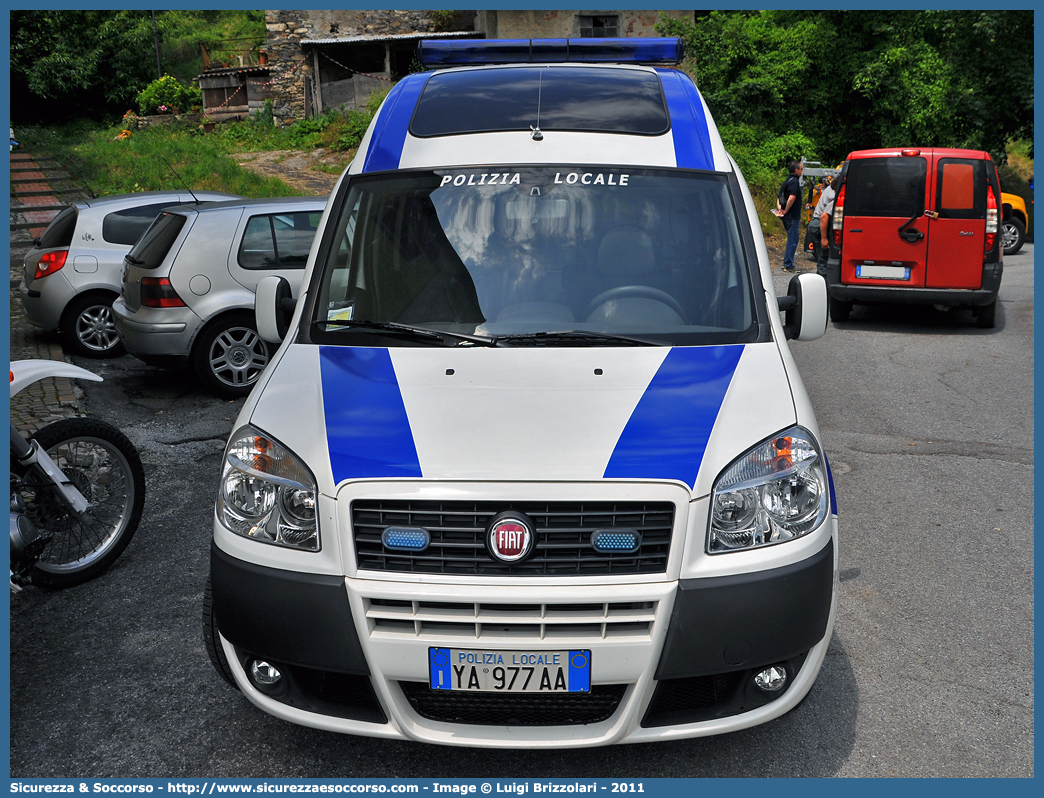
(625, 540)
(404, 538)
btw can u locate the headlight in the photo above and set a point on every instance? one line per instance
(775, 492)
(267, 493)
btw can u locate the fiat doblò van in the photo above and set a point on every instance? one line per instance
(533, 466)
(916, 225)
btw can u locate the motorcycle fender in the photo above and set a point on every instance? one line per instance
(26, 372)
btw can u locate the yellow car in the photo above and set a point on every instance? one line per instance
(1013, 227)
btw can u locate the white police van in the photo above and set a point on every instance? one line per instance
(533, 465)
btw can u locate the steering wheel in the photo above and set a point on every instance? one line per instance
(634, 292)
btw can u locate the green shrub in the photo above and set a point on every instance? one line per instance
(352, 130)
(264, 117)
(167, 92)
(374, 102)
(353, 127)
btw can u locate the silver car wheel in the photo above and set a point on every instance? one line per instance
(237, 356)
(96, 328)
(1010, 235)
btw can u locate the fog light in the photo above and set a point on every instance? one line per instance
(771, 679)
(264, 673)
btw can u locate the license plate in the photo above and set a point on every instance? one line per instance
(868, 271)
(482, 670)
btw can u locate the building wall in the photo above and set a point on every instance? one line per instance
(287, 28)
(291, 67)
(564, 24)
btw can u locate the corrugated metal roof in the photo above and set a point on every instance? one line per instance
(244, 70)
(391, 37)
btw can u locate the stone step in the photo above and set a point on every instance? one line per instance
(28, 225)
(23, 208)
(39, 179)
(42, 193)
(37, 168)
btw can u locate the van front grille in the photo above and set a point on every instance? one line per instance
(631, 620)
(563, 537)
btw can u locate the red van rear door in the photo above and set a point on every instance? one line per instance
(959, 230)
(885, 239)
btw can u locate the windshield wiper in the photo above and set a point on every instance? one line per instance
(573, 336)
(405, 329)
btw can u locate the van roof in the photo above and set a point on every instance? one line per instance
(928, 152)
(587, 114)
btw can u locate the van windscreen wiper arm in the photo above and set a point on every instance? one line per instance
(580, 337)
(408, 330)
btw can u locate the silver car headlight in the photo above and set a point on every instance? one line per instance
(267, 493)
(775, 492)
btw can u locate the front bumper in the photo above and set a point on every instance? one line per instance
(670, 658)
(158, 336)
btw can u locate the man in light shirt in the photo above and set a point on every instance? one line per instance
(821, 217)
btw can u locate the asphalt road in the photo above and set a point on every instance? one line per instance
(928, 422)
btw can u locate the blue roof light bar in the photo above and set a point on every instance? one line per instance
(471, 52)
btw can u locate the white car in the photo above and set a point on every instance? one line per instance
(532, 466)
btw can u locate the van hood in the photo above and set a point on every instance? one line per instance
(541, 414)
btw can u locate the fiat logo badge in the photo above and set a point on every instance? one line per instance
(510, 537)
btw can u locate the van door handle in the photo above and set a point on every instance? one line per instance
(911, 234)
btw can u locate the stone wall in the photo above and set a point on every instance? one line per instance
(287, 60)
(565, 24)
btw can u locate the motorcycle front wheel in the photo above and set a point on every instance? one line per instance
(105, 467)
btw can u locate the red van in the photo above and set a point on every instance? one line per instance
(916, 225)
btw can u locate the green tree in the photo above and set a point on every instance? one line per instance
(79, 61)
(823, 83)
(90, 63)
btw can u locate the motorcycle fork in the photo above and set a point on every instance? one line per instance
(31, 456)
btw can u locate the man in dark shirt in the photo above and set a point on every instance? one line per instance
(788, 209)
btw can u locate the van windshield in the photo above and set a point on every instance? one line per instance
(518, 251)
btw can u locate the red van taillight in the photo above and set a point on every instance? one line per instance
(838, 217)
(157, 292)
(991, 218)
(50, 263)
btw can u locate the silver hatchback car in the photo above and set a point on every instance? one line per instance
(72, 274)
(188, 285)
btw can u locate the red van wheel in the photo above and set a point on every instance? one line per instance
(986, 315)
(840, 311)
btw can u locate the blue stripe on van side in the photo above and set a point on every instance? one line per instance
(692, 147)
(667, 433)
(367, 430)
(830, 479)
(390, 133)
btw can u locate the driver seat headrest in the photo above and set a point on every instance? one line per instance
(627, 251)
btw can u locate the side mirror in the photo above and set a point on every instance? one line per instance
(273, 308)
(806, 307)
